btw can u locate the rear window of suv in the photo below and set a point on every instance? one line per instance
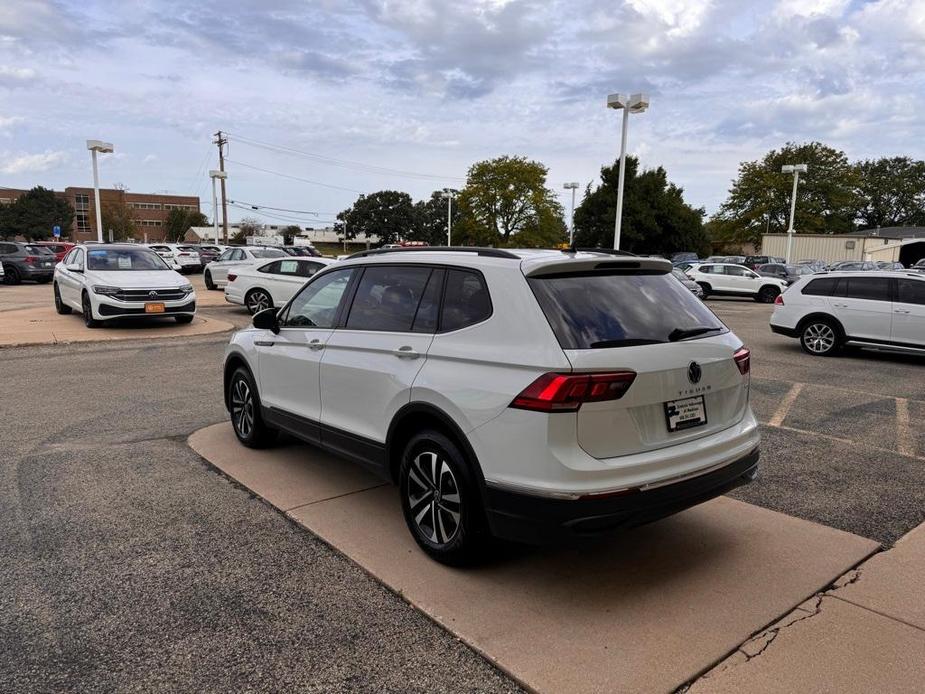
(599, 310)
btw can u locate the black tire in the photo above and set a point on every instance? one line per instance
(705, 288)
(767, 294)
(257, 300)
(820, 337)
(87, 308)
(60, 306)
(440, 500)
(11, 275)
(183, 319)
(210, 285)
(244, 408)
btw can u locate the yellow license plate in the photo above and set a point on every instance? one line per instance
(154, 308)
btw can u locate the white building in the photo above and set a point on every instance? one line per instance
(897, 244)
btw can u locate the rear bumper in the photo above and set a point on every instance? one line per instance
(539, 520)
(783, 330)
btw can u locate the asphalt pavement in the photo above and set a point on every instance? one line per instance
(128, 564)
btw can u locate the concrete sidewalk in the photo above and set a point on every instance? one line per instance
(866, 634)
(647, 610)
(44, 326)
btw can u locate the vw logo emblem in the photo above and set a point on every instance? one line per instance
(152, 294)
(694, 372)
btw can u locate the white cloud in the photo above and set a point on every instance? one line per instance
(28, 163)
(9, 121)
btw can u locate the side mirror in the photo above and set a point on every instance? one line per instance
(73, 267)
(267, 320)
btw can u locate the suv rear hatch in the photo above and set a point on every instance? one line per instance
(615, 315)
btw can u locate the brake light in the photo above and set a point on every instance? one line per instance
(232, 278)
(31, 259)
(743, 359)
(554, 392)
(779, 301)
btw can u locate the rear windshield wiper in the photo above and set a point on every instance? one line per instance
(684, 333)
(602, 344)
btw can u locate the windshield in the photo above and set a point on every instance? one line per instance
(269, 253)
(116, 259)
(595, 310)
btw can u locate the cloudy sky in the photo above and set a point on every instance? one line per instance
(362, 95)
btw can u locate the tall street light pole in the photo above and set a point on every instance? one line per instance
(450, 195)
(105, 147)
(214, 174)
(636, 103)
(573, 186)
(796, 170)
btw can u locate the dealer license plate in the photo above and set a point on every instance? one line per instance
(154, 308)
(685, 414)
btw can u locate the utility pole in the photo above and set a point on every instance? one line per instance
(221, 141)
(450, 195)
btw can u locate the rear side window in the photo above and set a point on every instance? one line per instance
(598, 310)
(387, 298)
(870, 288)
(465, 301)
(911, 292)
(821, 287)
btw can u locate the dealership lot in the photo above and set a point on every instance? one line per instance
(129, 553)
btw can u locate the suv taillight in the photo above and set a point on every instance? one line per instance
(779, 301)
(554, 392)
(743, 359)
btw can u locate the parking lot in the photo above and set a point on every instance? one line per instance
(118, 531)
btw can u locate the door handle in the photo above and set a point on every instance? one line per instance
(315, 344)
(264, 343)
(901, 310)
(406, 352)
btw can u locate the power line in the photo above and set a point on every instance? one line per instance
(295, 178)
(282, 217)
(358, 166)
(279, 209)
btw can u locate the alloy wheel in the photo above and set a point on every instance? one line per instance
(258, 301)
(819, 338)
(433, 497)
(242, 408)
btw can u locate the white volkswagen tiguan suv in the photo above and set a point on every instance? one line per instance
(529, 395)
(883, 310)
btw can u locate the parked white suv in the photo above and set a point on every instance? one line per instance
(826, 311)
(726, 279)
(186, 257)
(530, 395)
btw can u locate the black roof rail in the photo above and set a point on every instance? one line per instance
(482, 251)
(605, 251)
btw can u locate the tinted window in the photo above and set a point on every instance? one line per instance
(911, 292)
(737, 271)
(820, 287)
(616, 310)
(708, 269)
(225, 256)
(271, 268)
(316, 305)
(6, 248)
(387, 298)
(465, 301)
(309, 269)
(872, 288)
(425, 321)
(69, 258)
(266, 253)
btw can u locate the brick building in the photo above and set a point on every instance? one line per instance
(148, 210)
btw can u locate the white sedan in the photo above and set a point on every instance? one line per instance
(216, 272)
(121, 281)
(184, 256)
(272, 283)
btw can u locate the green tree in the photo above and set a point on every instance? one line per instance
(289, 234)
(120, 218)
(430, 217)
(179, 222)
(388, 214)
(759, 200)
(890, 192)
(655, 217)
(506, 202)
(34, 213)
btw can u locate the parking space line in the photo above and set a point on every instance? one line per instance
(830, 387)
(904, 440)
(784, 408)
